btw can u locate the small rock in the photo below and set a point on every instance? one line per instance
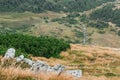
(20, 58)
(50, 69)
(40, 66)
(28, 61)
(58, 68)
(75, 73)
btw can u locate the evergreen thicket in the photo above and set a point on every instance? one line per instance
(107, 13)
(49, 5)
(37, 46)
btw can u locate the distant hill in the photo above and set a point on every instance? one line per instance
(63, 19)
(51, 5)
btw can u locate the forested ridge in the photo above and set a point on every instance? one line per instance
(50, 5)
(108, 13)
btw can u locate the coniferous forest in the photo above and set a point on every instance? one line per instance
(107, 13)
(51, 5)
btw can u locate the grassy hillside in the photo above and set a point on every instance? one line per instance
(67, 25)
(59, 25)
(32, 20)
(51, 5)
(96, 63)
(93, 60)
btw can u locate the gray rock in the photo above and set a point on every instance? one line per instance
(75, 73)
(20, 58)
(58, 68)
(10, 53)
(39, 66)
(28, 61)
(50, 69)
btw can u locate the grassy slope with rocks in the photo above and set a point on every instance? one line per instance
(96, 63)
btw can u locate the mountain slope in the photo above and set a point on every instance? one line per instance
(51, 5)
(64, 24)
(95, 62)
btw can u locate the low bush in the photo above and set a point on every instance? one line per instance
(99, 25)
(37, 46)
(119, 33)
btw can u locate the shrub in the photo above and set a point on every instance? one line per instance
(110, 74)
(79, 34)
(84, 19)
(73, 15)
(101, 31)
(37, 46)
(119, 33)
(99, 24)
(55, 19)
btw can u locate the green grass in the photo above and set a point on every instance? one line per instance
(41, 24)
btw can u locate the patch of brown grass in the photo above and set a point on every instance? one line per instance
(94, 61)
(13, 73)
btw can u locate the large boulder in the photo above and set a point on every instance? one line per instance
(10, 53)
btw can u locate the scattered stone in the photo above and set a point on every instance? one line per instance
(28, 61)
(20, 58)
(75, 73)
(50, 69)
(58, 68)
(40, 66)
(10, 53)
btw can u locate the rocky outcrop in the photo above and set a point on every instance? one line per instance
(41, 66)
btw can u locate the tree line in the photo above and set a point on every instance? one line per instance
(51, 5)
(107, 13)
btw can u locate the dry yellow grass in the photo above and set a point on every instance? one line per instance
(93, 60)
(106, 39)
(97, 63)
(13, 73)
